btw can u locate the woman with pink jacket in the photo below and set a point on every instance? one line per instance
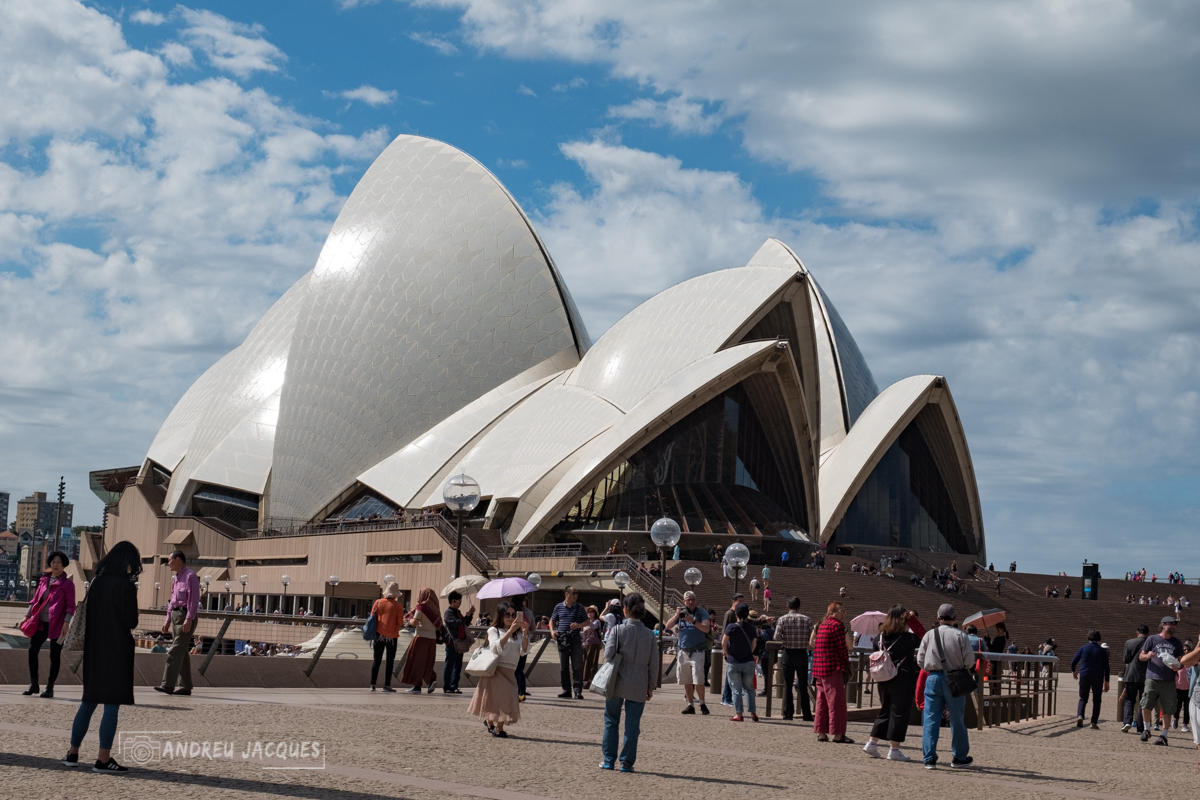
(49, 616)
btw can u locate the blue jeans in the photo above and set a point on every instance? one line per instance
(741, 681)
(937, 698)
(108, 724)
(612, 726)
(453, 670)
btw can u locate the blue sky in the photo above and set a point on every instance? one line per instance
(1004, 194)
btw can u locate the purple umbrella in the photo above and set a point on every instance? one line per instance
(505, 587)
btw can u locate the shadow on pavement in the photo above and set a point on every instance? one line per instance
(282, 789)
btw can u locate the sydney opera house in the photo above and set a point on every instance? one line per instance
(435, 337)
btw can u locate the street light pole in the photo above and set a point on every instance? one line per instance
(664, 533)
(285, 580)
(461, 495)
(243, 580)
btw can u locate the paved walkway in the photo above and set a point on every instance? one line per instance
(379, 746)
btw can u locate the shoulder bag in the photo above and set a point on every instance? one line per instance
(77, 631)
(960, 681)
(462, 644)
(371, 627)
(483, 664)
(604, 682)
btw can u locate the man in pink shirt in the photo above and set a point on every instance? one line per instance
(181, 619)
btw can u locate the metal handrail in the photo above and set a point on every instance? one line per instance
(534, 551)
(995, 576)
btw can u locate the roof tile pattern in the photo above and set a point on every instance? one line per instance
(432, 289)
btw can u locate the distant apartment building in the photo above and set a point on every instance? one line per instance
(36, 513)
(8, 544)
(4, 510)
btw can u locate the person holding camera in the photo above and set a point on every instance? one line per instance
(49, 617)
(566, 623)
(457, 634)
(943, 651)
(694, 624)
(496, 701)
(112, 614)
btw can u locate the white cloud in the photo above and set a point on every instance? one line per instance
(147, 17)
(146, 224)
(511, 163)
(577, 82)
(441, 44)
(986, 158)
(523, 89)
(230, 46)
(1074, 371)
(681, 114)
(367, 94)
(177, 54)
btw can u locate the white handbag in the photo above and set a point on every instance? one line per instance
(604, 682)
(483, 663)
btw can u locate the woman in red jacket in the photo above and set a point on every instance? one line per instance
(49, 617)
(831, 670)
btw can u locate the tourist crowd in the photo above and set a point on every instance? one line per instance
(612, 652)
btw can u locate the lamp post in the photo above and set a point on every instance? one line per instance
(243, 580)
(621, 579)
(664, 533)
(692, 577)
(461, 495)
(285, 580)
(207, 595)
(156, 584)
(535, 579)
(333, 582)
(737, 555)
(230, 600)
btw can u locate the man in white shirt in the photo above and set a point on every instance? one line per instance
(954, 653)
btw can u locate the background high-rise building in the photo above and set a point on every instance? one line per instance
(36, 513)
(4, 510)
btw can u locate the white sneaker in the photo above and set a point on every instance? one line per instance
(1125, 728)
(897, 755)
(872, 749)
(1185, 729)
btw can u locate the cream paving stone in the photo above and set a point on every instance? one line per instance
(428, 746)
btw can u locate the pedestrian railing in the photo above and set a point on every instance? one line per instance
(1015, 687)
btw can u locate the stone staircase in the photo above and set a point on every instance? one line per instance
(1031, 618)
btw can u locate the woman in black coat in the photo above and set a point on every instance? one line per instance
(896, 695)
(112, 613)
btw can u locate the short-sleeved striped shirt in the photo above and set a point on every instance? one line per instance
(563, 615)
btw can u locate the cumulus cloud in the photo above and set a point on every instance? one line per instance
(439, 43)
(147, 17)
(523, 89)
(578, 82)
(146, 225)
(1074, 372)
(367, 94)
(680, 114)
(230, 46)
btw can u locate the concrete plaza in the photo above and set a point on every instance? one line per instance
(396, 745)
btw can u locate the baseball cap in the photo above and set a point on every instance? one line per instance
(946, 611)
(1168, 621)
(736, 596)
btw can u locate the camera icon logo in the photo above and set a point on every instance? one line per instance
(140, 748)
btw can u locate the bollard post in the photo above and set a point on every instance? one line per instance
(716, 674)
